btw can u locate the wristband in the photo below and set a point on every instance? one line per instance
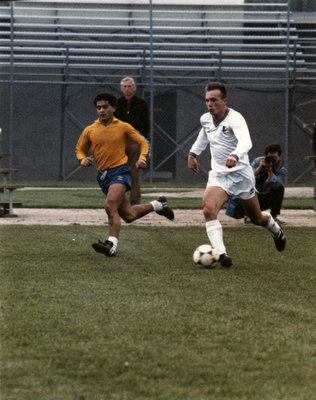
(192, 154)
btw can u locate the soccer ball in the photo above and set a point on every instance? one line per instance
(205, 256)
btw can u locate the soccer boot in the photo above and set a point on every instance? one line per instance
(225, 260)
(104, 248)
(280, 240)
(166, 211)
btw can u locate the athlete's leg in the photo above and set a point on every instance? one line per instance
(272, 200)
(263, 201)
(213, 199)
(252, 209)
(130, 213)
(118, 205)
(114, 199)
(115, 196)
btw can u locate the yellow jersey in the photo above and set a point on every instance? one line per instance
(108, 143)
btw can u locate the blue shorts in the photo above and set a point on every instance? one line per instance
(108, 177)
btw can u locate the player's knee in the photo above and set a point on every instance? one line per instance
(127, 214)
(209, 212)
(110, 207)
(128, 218)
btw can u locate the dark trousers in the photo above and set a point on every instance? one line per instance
(133, 152)
(272, 200)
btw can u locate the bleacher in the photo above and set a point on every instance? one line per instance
(253, 43)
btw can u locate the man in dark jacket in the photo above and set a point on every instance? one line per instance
(134, 110)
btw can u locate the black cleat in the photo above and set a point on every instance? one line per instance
(280, 240)
(104, 248)
(225, 260)
(166, 211)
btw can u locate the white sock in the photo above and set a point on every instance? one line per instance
(272, 226)
(215, 234)
(114, 240)
(157, 205)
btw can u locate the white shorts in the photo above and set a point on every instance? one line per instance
(239, 184)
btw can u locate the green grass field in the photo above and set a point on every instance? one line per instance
(150, 325)
(93, 198)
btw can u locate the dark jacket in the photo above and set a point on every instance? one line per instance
(136, 114)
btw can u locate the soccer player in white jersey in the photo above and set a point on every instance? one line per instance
(226, 131)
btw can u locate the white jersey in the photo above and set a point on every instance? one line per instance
(230, 136)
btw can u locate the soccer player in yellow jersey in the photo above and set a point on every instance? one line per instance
(107, 138)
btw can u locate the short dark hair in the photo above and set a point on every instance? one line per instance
(105, 97)
(217, 86)
(272, 148)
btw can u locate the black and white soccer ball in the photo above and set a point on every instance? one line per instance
(205, 256)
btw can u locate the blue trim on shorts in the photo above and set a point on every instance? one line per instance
(108, 177)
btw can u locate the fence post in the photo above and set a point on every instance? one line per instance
(64, 104)
(287, 88)
(151, 91)
(11, 105)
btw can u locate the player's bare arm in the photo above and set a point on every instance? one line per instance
(193, 163)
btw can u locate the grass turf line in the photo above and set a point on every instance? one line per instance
(148, 324)
(95, 199)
